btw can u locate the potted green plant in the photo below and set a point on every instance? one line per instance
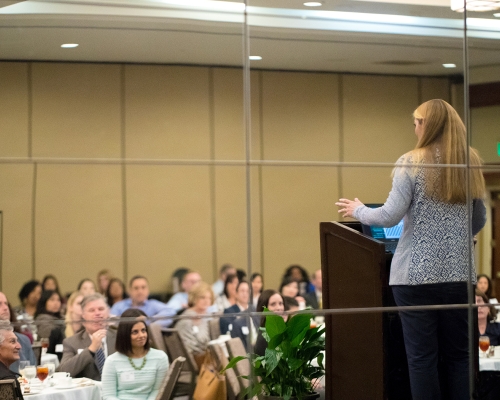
(287, 370)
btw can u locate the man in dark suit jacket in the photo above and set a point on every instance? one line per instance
(81, 352)
(314, 299)
(242, 299)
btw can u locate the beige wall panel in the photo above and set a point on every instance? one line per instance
(76, 110)
(300, 116)
(435, 88)
(78, 223)
(167, 112)
(377, 118)
(229, 122)
(370, 185)
(168, 222)
(485, 132)
(13, 109)
(231, 217)
(16, 191)
(295, 201)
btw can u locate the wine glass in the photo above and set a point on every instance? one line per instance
(484, 344)
(42, 371)
(29, 372)
(45, 345)
(52, 368)
(22, 366)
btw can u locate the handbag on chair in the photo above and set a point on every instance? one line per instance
(210, 385)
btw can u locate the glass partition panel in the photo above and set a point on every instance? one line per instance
(124, 140)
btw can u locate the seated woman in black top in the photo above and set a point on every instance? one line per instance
(485, 320)
(274, 302)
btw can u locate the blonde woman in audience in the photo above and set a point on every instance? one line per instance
(86, 287)
(228, 297)
(194, 331)
(73, 315)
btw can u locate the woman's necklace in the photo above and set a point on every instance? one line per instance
(137, 368)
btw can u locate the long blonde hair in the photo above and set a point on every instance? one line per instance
(68, 318)
(444, 141)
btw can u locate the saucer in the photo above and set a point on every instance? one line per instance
(60, 387)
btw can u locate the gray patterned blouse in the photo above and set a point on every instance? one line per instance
(435, 244)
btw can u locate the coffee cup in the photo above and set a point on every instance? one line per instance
(59, 375)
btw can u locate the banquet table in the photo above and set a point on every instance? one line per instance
(490, 363)
(89, 392)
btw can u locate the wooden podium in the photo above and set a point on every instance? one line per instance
(365, 357)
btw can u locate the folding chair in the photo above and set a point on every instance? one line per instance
(167, 387)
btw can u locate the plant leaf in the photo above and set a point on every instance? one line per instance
(298, 326)
(272, 359)
(275, 325)
(295, 363)
(233, 362)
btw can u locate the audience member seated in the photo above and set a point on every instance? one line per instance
(84, 352)
(29, 295)
(7, 317)
(242, 299)
(179, 301)
(48, 313)
(314, 299)
(272, 300)
(136, 371)
(139, 293)
(177, 277)
(290, 288)
(9, 354)
(116, 291)
(291, 304)
(86, 287)
(257, 287)
(241, 274)
(195, 331)
(225, 270)
(300, 275)
(73, 315)
(228, 297)
(103, 279)
(49, 282)
(485, 320)
(484, 285)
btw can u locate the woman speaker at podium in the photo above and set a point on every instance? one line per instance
(437, 195)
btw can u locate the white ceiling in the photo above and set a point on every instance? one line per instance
(343, 35)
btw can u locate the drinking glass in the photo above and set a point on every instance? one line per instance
(484, 344)
(42, 371)
(45, 345)
(29, 372)
(52, 368)
(22, 366)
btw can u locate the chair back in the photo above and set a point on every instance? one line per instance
(157, 340)
(214, 328)
(8, 390)
(37, 350)
(232, 384)
(167, 387)
(236, 348)
(189, 372)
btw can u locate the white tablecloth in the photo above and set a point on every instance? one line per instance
(490, 363)
(78, 393)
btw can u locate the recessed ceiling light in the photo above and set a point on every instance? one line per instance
(313, 3)
(255, 58)
(496, 15)
(69, 45)
(449, 65)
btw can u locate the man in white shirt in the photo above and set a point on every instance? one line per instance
(225, 270)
